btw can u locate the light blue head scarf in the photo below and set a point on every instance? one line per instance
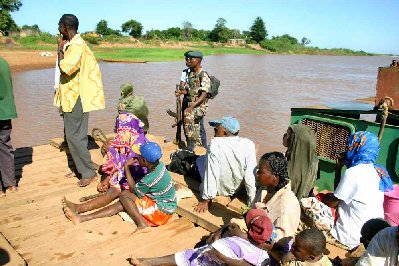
(363, 148)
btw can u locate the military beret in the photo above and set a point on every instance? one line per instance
(186, 53)
(194, 54)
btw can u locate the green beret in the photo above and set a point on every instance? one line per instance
(194, 54)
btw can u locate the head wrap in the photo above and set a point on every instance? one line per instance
(133, 104)
(302, 160)
(363, 148)
(260, 228)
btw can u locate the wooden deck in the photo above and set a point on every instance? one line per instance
(35, 231)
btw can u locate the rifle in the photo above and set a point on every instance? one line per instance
(178, 121)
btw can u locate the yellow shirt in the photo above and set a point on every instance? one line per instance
(80, 76)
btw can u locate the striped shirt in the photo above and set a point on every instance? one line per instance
(159, 186)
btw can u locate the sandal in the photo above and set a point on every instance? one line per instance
(86, 181)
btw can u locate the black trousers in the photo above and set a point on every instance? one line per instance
(7, 168)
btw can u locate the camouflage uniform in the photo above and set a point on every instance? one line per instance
(192, 120)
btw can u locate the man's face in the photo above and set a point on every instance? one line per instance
(219, 131)
(192, 62)
(63, 30)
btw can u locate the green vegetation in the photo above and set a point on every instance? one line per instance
(40, 41)
(124, 48)
(164, 45)
(258, 30)
(163, 54)
(7, 24)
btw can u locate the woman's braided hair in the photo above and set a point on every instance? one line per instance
(278, 165)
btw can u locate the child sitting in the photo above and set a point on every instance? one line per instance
(152, 200)
(153, 195)
(237, 247)
(307, 250)
(124, 146)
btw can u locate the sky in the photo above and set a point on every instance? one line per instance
(368, 25)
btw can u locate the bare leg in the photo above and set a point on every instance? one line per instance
(102, 201)
(128, 202)
(101, 213)
(168, 260)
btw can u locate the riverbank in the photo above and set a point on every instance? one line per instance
(24, 60)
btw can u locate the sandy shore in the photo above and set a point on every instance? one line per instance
(28, 60)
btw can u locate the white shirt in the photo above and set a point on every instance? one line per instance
(229, 162)
(57, 73)
(361, 200)
(382, 250)
(184, 75)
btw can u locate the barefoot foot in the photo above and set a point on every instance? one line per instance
(67, 204)
(86, 181)
(73, 217)
(142, 229)
(135, 261)
(11, 189)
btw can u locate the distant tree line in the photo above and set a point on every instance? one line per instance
(257, 33)
(220, 33)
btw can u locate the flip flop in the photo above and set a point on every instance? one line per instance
(86, 181)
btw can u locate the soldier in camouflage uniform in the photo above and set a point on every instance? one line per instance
(199, 83)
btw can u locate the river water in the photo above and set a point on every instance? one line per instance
(258, 90)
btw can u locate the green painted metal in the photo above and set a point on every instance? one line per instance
(388, 156)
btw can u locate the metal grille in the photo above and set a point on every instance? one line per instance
(331, 139)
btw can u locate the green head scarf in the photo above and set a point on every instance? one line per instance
(133, 104)
(302, 160)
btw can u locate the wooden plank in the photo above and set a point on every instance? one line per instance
(85, 243)
(8, 255)
(211, 220)
(147, 244)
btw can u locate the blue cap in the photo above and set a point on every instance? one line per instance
(228, 122)
(151, 152)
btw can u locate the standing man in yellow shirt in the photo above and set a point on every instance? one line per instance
(80, 91)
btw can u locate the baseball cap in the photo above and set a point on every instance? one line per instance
(228, 122)
(151, 152)
(259, 225)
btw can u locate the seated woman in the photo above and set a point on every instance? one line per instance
(129, 136)
(300, 141)
(359, 195)
(237, 248)
(276, 198)
(134, 104)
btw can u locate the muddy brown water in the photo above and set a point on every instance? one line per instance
(258, 90)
